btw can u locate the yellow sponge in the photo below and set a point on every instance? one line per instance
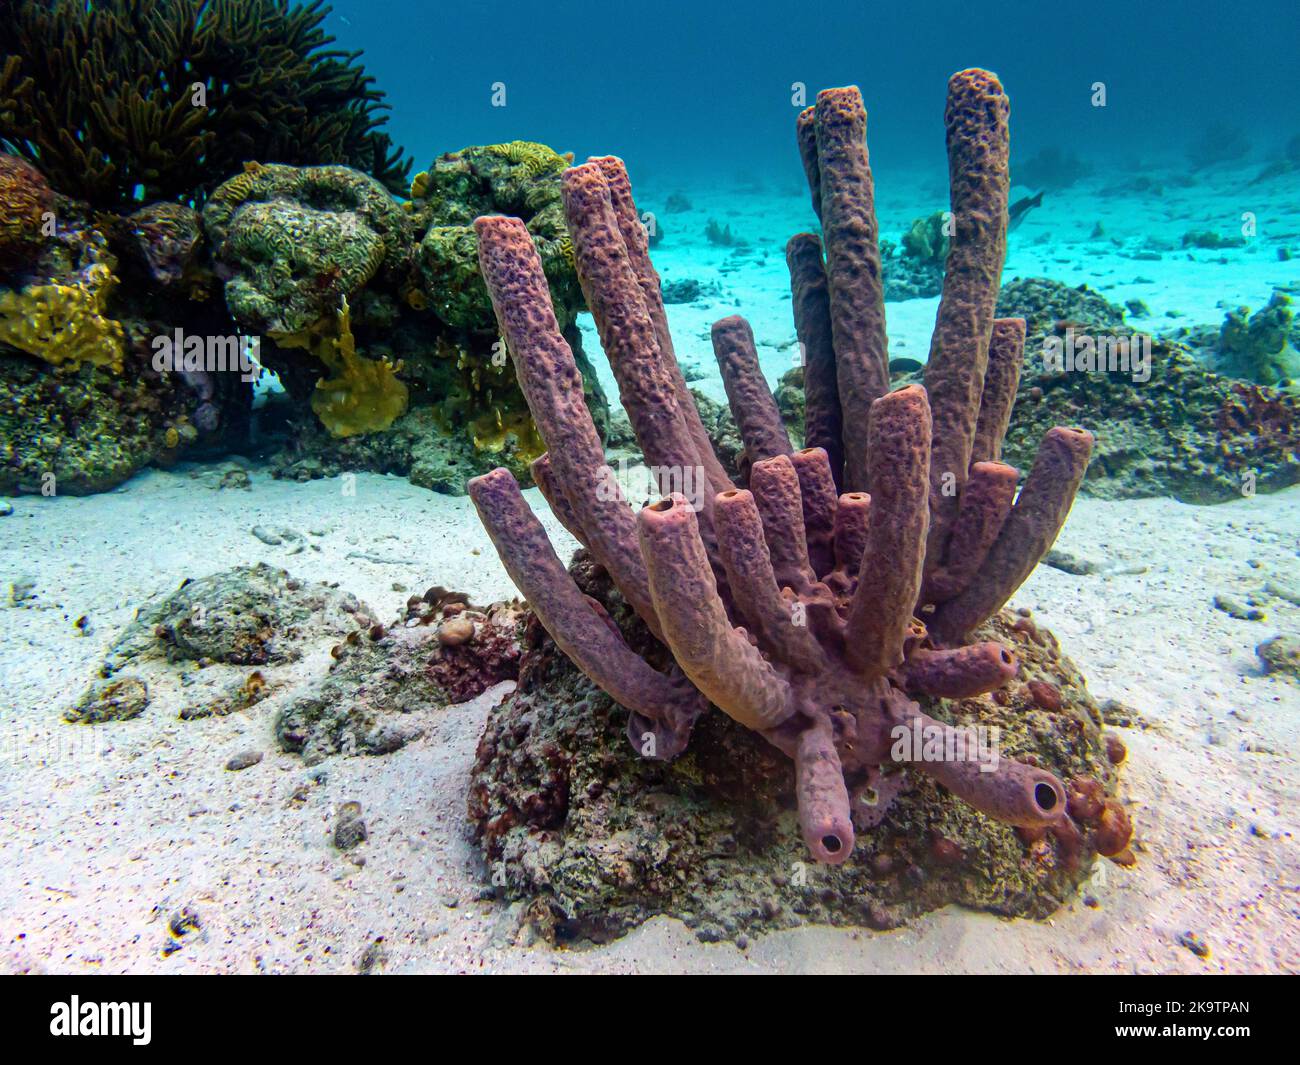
(65, 324)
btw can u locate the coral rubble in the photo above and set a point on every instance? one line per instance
(816, 607)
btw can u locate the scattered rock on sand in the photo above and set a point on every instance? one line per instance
(249, 615)
(1068, 563)
(1235, 608)
(1288, 590)
(349, 828)
(118, 699)
(1281, 654)
(244, 760)
(1194, 943)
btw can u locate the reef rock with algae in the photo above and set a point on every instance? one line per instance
(1174, 428)
(1187, 431)
(415, 307)
(82, 405)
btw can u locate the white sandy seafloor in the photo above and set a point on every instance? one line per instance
(106, 831)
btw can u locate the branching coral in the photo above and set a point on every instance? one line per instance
(808, 614)
(65, 324)
(102, 98)
(357, 395)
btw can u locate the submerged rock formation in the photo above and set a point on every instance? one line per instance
(1172, 427)
(819, 608)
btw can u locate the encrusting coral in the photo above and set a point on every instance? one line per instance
(813, 605)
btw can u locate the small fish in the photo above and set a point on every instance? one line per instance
(1016, 213)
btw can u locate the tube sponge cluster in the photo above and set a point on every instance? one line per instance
(846, 577)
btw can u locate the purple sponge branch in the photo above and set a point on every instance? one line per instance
(750, 399)
(627, 332)
(823, 421)
(552, 385)
(1029, 531)
(574, 622)
(718, 658)
(1001, 379)
(817, 487)
(857, 294)
(636, 242)
(544, 476)
(978, 153)
(889, 579)
(812, 616)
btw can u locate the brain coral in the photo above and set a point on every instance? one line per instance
(292, 242)
(24, 199)
(520, 179)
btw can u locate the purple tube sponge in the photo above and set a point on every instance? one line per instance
(813, 605)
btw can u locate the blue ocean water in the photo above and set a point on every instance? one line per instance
(699, 87)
